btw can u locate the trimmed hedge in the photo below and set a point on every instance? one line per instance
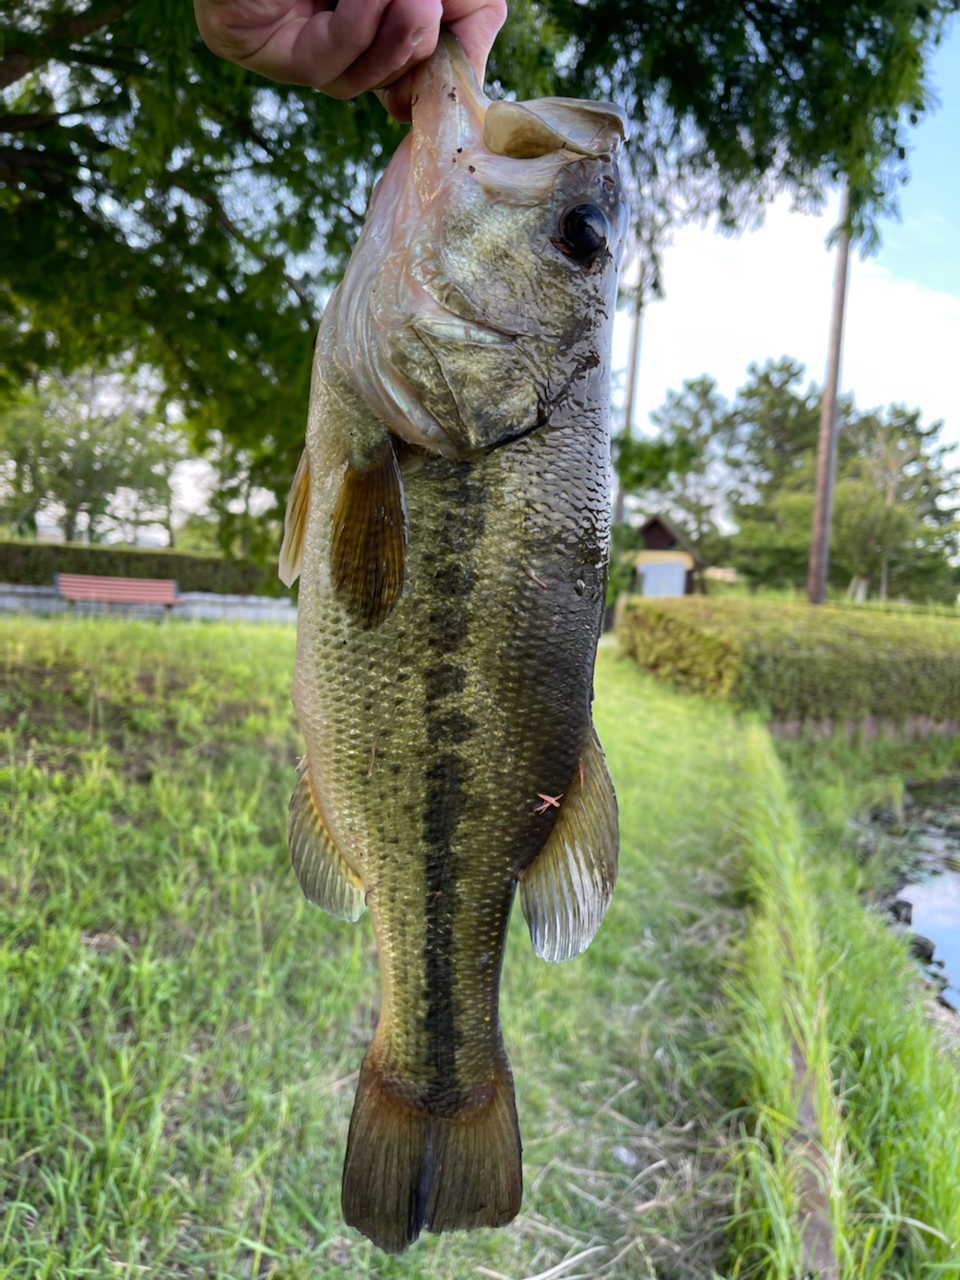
(793, 662)
(35, 563)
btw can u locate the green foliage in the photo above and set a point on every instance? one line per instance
(647, 467)
(166, 205)
(161, 203)
(796, 662)
(772, 429)
(35, 563)
(694, 427)
(895, 502)
(199, 533)
(644, 465)
(623, 538)
(242, 526)
(734, 101)
(90, 445)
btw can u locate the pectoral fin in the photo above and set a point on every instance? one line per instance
(295, 524)
(368, 550)
(324, 876)
(566, 890)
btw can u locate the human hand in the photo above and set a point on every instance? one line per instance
(358, 45)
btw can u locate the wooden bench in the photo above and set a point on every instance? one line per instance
(84, 586)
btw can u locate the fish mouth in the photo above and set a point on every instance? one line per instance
(447, 100)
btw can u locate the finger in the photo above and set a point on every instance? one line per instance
(235, 29)
(476, 31)
(476, 27)
(317, 48)
(397, 97)
(408, 34)
(348, 32)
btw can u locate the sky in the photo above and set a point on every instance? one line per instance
(768, 293)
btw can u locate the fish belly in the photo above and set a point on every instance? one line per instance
(433, 741)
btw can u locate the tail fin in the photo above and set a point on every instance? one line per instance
(408, 1170)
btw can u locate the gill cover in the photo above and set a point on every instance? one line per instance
(461, 315)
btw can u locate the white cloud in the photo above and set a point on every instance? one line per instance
(769, 293)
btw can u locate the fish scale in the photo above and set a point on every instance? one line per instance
(450, 603)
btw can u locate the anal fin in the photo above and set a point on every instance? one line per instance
(566, 890)
(321, 869)
(295, 524)
(368, 550)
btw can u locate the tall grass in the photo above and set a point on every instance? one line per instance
(853, 1104)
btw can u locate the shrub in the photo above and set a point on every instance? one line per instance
(35, 563)
(793, 662)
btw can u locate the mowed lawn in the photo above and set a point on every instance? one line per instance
(181, 1031)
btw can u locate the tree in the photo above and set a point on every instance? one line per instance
(24, 448)
(644, 467)
(771, 451)
(903, 472)
(736, 101)
(162, 203)
(694, 425)
(773, 431)
(146, 496)
(240, 505)
(895, 526)
(90, 448)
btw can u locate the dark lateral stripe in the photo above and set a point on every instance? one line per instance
(445, 802)
(448, 780)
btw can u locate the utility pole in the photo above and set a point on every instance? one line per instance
(632, 363)
(827, 446)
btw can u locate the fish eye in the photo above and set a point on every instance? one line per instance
(583, 232)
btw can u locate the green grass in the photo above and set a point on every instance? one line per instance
(853, 1099)
(181, 1030)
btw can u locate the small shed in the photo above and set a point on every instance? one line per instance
(666, 564)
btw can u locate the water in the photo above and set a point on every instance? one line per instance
(936, 914)
(926, 845)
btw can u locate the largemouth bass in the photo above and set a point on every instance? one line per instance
(449, 522)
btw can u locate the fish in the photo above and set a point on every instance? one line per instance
(449, 524)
